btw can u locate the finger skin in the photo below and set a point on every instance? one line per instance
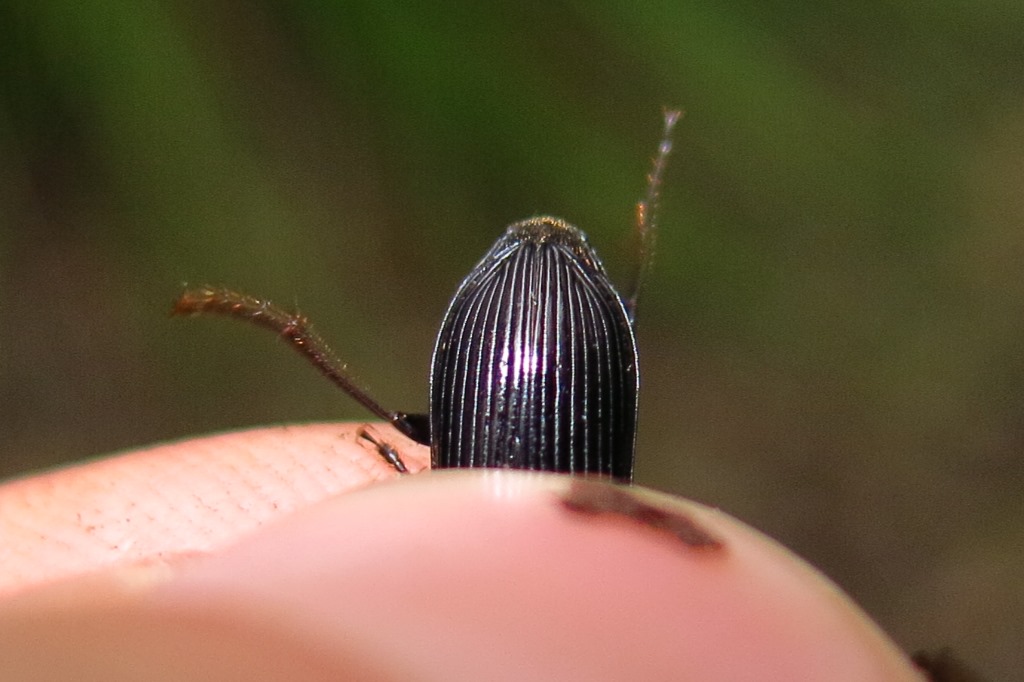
(171, 501)
(452, 576)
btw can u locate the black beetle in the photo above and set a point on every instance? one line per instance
(535, 365)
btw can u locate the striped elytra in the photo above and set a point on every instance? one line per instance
(535, 365)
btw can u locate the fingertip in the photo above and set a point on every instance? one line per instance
(187, 497)
(490, 575)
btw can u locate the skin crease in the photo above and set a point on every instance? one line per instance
(293, 553)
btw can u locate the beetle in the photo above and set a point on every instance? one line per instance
(535, 365)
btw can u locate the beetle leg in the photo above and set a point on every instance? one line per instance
(387, 452)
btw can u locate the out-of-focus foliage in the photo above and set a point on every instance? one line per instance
(832, 336)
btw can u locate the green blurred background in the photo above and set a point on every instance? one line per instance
(832, 336)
